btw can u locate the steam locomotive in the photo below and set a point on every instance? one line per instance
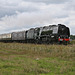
(47, 34)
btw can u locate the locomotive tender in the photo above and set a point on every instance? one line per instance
(47, 34)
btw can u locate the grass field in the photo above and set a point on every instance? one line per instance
(33, 59)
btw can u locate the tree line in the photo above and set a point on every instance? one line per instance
(72, 37)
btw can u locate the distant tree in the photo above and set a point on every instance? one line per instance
(72, 37)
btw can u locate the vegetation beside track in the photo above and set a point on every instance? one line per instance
(34, 59)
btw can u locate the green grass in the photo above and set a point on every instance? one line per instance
(34, 59)
(73, 42)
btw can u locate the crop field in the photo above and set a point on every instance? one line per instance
(34, 59)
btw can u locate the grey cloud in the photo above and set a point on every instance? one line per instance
(24, 20)
(5, 11)
(49, 1)
(11, 9)
(72, 30)
(63, 15)
(24, 14)
(70, 5)
(10, 12)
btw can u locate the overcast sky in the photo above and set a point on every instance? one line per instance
(16, 15)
